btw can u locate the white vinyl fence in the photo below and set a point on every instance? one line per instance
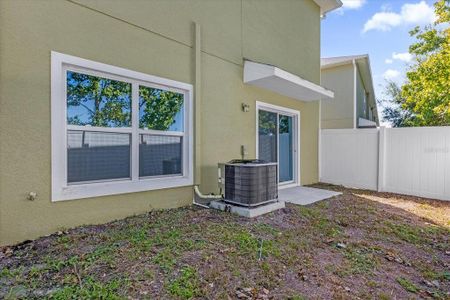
(413, 161)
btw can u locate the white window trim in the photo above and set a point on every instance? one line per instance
(60, 189)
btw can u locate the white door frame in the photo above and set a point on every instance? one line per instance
(296, 137)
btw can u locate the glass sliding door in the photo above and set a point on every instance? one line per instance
(276, 142)
(268, 127)
(285, 159)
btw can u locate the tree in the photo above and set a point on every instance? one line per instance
(393, 107)
(97, 101)
(426, 92)
(159, 108)
(267, 123)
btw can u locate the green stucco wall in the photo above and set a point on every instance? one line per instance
(339, 112)
(154, 37)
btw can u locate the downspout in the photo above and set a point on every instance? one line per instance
(319, 142)
(198, 199)
(198, 102)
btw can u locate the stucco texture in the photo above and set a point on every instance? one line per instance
(338, 112)
(153, 37)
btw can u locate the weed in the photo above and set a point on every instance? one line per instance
(186, 285)
(320, 222)
(104, 253)
(413, 234)
(165, 259)
(372, 284)
(265, 266)
(404, 232)
(266, 228)
(139, 238)
(383, 296)
(361, 260)
(91, 289)
(10, 273)
(297, 297)
(309, 212)
(65, 241)
(17, 292)
(407, 285)
(56, 265)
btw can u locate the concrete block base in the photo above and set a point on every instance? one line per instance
(249, 212)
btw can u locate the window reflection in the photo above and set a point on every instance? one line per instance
(97, 101)
(160, 109)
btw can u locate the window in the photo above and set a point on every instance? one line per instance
(117, 131)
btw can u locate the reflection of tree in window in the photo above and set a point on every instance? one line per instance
(97, 101)
(267, 122)
(285, 124)
(159, 109)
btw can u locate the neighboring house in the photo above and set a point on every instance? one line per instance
(354, 104)
(123, 106)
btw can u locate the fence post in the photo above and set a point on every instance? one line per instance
(381, 157)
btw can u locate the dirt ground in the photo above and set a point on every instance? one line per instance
(359, 245)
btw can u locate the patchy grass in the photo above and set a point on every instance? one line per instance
(358, 245)
(407, 285)
(360, 261)
(186, 285)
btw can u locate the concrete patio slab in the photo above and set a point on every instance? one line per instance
(303, 195)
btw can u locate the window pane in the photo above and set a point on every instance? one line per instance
(285, 139)
(97, 156)
(97, 101)
(267, 130)
(159, 155)
(160, 109)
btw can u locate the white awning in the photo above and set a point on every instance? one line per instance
(284, 83)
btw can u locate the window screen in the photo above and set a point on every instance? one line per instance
(93, 156)
(160, 155)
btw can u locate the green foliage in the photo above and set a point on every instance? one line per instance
(319, 221)
(268, 123)
(425, 98)
(139, 238)
(165, 259)
(186, 285)
(297, 297)
(361, 260)
(407, 285)
(107, 102)
(410, 234)
(413, 234)
(393, 111)
(11, 273)
(159, 108)
(104, 102)
(91, 289)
